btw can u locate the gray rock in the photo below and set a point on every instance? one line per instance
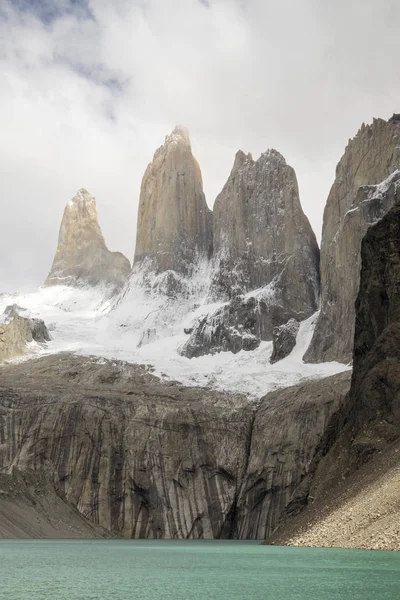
(12, 310)
(39, 331)
(140, 457)
(174, 229)
(31, 508)
(17, 333)
(358, 455)
(262, 237)
(395, 118)
(146, 458)
(264, 242)
(287, 430)
(284, 340)
(232, 328)
(240, 324)
(82, 257)
(370, 157)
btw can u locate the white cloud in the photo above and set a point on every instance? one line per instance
(89, 90)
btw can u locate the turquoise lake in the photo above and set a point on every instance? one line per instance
(186, 570)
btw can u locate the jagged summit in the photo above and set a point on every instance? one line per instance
(240, 159)
(174, 227)
(82, 197)
(179, 135)
(82, 257)
(260, 229)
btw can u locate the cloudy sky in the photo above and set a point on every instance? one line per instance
(89, 88)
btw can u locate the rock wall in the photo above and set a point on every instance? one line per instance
(174, 228)
(287, 429)
(370, 157)
(82, 257)
(138, 457)
(143, 458)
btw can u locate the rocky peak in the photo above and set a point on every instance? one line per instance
(82, 257)
(240, 159)
(369, 158)
(82, 198)
(266, 258)
(179, 135)
(261, 234)
(174, 226)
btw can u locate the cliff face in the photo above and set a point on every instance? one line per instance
(138, 457)
(174, 227)
(355, 487)
(82, 257)
(370, 157)
(143, 458)
(287, 430)
(261, 234)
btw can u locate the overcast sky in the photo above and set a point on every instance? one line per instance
(89, 88)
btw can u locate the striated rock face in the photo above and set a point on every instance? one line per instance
(18, 332)
(287, 429)
(31, 508)
(355, 487)
(136, 456)
(143, 458)
(174, 226)
(82, 257)
(261, 234)
(284, 340)
(370, 157)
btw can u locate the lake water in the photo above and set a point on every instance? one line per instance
(191, 570)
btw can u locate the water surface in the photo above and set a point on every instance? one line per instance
(192, 570)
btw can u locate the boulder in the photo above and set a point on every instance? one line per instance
(233, 328)
(284, 340)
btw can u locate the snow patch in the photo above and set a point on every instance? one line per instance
(81, 321)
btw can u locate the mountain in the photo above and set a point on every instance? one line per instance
(264, 247)
(370, 157)
(82, 257)
(140, 451)
(174, 229)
